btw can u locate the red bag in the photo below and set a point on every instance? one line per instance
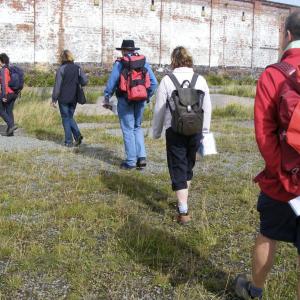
(134, 79)
(289, 119)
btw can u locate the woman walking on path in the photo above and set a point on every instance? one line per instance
(7, 97)
(68, 77)
(181, 149)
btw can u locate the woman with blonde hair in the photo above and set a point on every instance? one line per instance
(181, 148)
(68, 76)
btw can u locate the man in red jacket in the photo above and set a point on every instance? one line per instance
(278, 222)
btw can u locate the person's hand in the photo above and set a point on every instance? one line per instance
(4, 100)
(53, 104)
(106, 104)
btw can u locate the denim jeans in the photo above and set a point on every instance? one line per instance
(69, 124)
(6, 110)
(131, 117)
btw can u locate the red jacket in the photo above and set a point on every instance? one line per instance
(4, 80)
(266, 129)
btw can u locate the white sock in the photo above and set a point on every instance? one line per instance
(183, 208)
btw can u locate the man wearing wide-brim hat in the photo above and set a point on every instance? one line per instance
(130, 113)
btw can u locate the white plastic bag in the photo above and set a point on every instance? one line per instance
(208, 144)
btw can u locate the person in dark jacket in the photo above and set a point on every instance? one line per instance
(68, 76)
(7, 96)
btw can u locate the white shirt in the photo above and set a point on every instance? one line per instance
(162, 115)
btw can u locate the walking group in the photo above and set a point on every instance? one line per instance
(183, 108)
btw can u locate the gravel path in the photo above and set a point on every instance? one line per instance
(20, 142)
(217, 100)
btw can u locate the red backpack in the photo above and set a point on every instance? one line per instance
(289, 120)
(134, 79)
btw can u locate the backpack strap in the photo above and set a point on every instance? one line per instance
(174, 80)
(285, 68)
(194, 80)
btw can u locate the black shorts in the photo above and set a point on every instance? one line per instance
(181, 155)
(278, 221)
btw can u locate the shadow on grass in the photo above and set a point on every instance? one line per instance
(139, 189)
(100, 153)
(48, 135)
(178, 261)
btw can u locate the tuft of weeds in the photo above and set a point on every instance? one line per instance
(239, 90)
(72, 225)
(92, 96)
(234, 111)
(39, 78)
(217, 80)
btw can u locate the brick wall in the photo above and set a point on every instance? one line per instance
(35, 31)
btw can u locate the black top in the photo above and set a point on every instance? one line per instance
(68, 76)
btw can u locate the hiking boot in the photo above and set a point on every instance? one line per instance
(141, 163)
(183, 219)
(125, 166)
(242, 287)
(79, 141)
(11, 129)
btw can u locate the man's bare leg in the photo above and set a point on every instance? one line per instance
(262, 260)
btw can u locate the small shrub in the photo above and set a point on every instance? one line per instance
(38, 118)
(217, 80)
(234, 111)
(39, 79)
(92, 96)
(248, 80)
(239, 90)
(98, 80)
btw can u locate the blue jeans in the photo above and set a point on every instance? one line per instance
(69, 124)
(131, 117)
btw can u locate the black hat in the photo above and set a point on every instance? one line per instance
(127, 45)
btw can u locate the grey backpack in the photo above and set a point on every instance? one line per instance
(185, 106)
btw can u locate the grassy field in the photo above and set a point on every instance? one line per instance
(73, 226)
(239, 90)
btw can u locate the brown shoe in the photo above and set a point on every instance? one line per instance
(183, 219)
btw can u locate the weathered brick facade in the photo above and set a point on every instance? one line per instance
(243, 33)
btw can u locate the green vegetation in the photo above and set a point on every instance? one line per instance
(98, 80)
(39, 79)
(36, 78)
(239, 90)
(74, 226)
(244, 87)
(217, 80)
(92, 96)
(224, 79)
(234, 111)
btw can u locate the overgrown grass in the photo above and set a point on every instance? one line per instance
(74, 226)
(224, 79)
(98, 80)
(81, 118)
(36, 78)
(92, 96)
(234, 111)
(217, 80)
(239, 90)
